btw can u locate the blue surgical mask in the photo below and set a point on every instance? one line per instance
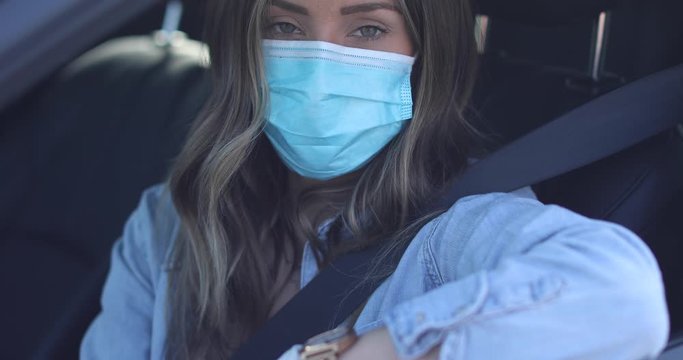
(333, 108)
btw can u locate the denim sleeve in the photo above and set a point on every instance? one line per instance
(522, 280)
(122, 330)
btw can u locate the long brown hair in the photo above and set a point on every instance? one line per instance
(240, 226)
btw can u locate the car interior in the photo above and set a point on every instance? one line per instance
(79, 146)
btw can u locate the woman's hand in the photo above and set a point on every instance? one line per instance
(377, 345)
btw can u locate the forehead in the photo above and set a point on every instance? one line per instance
(341, 7)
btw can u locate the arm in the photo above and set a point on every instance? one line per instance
(123, 328)
(528, 281)
(520, 280)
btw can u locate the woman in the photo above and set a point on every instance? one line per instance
(334, 116)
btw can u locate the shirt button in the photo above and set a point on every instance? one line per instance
(420, 317)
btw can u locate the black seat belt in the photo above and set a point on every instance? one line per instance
(598, 129)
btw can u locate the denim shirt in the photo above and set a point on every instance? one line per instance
(497, 276)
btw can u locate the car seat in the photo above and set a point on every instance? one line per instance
(105, 128)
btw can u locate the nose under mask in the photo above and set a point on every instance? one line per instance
(333, 108)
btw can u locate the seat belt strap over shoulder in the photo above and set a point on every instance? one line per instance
(598, 129)
(594, 131)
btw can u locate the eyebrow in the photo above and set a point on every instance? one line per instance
(368, 7)
(286, 5)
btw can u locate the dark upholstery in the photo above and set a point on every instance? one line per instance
(544, 12)
(79, 156)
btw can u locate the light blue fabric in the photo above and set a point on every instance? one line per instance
(333, 108)
(498, 276)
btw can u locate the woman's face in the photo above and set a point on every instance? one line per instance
(368, 24)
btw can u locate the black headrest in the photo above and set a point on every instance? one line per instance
(544, 12)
